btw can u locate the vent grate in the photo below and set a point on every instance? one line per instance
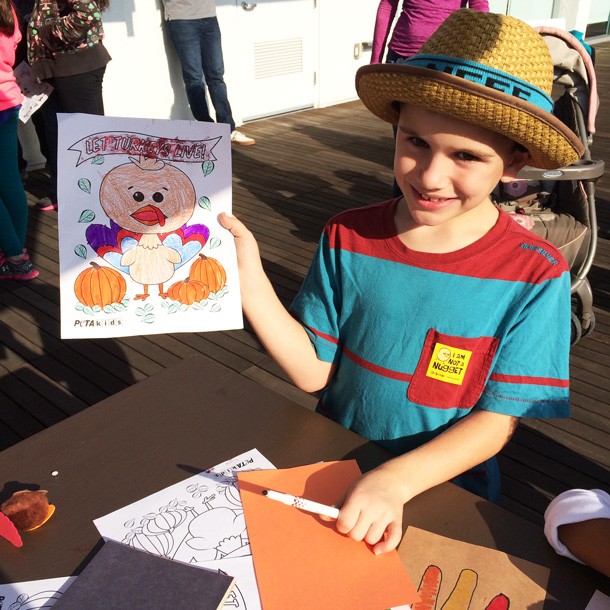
(278, 58)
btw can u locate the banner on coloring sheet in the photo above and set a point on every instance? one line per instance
(140, 247)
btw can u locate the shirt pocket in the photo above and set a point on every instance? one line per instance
(452, 371)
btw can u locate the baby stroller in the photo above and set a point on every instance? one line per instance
(559, 205)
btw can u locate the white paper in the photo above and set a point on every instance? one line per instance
(599, 601)
(199, 521)
(33, 594)
(244, 595)
(35, 92)
(138, 206)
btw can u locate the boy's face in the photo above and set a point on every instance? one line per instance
(446, 167)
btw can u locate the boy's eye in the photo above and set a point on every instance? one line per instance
(415, 141)
(465, 156)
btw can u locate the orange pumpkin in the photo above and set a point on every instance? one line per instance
(100, 286)
(209, 271)
(188, 291)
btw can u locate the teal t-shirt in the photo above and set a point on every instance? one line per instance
(419, 339)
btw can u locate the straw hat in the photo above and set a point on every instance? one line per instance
(492, 70)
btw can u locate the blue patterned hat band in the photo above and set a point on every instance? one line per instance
(484, 75)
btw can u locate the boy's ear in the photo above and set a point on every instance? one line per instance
(517, 161)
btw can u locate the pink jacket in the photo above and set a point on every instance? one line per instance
(417, 21)
(10, 94)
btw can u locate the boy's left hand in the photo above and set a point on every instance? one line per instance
(372, 511)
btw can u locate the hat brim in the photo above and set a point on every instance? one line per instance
(551, 143)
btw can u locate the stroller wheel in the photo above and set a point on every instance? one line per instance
(587, 325)
(576, 330)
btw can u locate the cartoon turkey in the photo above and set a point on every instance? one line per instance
(148, 203)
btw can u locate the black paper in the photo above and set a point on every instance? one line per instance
(121, 577)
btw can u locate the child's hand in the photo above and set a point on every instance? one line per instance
(245, 243)
(248, 256)
(372, 511)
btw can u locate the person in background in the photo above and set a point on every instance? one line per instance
(65, 48)
(577, 525)
(15, 264)
(423, 319)
(23, 8)
(194, 31)
(417, 21)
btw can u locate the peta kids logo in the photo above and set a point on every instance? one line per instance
(448, 364)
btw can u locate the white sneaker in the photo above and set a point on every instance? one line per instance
(237, 137)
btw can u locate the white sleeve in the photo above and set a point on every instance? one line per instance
(574, 506)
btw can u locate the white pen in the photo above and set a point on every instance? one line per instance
(308, 505)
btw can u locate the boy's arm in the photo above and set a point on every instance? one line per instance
(283, 337)
(374, 504)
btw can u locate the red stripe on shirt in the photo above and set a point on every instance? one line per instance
(515, 254)
(374, 368)
(329, 338)
(384, 372)
(361, 362)
(550, 381)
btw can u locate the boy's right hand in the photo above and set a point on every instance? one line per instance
(245, 242)
(248, 255)
(282, 335)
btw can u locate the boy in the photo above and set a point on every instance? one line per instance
(433, 322)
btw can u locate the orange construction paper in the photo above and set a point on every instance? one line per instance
(301, 561)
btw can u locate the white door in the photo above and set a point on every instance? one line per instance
(276, 40)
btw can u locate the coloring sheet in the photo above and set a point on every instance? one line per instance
(199, 520)
(33, 594)
(244, 595)
(140, 247)
(34, 91)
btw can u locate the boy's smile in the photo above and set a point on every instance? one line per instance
(432, 202)
(447, 168)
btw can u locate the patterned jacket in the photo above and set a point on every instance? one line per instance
(65, 38)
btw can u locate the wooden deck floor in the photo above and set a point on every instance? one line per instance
(305, 167)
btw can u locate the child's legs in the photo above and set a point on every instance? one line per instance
(13, 202)
(38, 121)
(49, 112)
(77, 93)
(81, 92)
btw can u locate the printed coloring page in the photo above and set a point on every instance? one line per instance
(199, 520)
(140, 247)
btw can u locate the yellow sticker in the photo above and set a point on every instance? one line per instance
(448, 364)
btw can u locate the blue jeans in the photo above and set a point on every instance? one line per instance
(197, 42)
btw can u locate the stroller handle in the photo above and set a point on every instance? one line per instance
(583, 169)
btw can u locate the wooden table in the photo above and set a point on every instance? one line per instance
(198, 414)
